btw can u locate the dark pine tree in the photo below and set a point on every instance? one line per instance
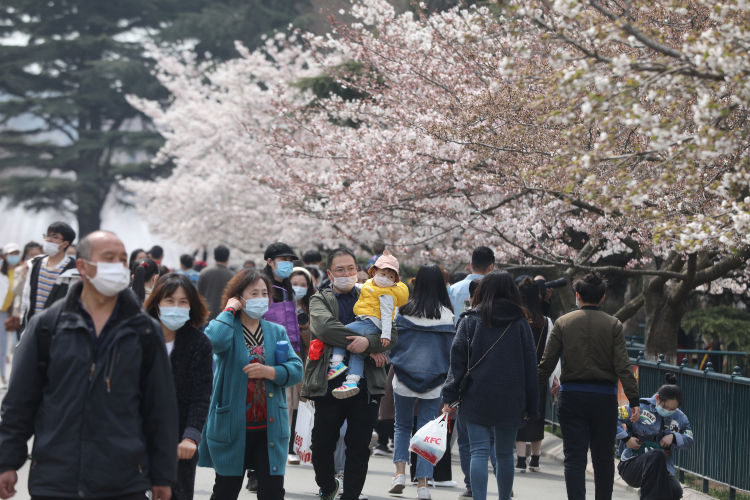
(68, 134)
(68, 137)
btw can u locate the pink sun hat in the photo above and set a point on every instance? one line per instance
(386, 261)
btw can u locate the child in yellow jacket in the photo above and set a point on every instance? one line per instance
(375, 309)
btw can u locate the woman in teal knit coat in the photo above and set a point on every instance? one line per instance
(248, 419)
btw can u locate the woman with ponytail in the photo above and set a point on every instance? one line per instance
(646, 446)
(145, 274)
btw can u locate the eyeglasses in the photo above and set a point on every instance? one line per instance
(52, 237)
(349, 269)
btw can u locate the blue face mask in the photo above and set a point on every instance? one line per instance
(664, 412)
(299, 292)
(256, 308)
(174, 317)
(284, 269)
(13, 260)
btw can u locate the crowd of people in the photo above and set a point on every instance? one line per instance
(130, 375)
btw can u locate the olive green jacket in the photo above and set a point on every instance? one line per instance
(592, 345)
(326, 327)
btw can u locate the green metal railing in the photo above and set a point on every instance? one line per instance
(694, 358)
(718, 407)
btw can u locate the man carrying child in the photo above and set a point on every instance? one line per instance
(330, 310)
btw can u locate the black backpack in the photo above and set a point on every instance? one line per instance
(48, 327)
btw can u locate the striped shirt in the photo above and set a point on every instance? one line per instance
(47, 279)
(253, 338)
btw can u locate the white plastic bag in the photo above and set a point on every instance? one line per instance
(429, 441)
(303, 431)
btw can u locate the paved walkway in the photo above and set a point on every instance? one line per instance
(300, 483)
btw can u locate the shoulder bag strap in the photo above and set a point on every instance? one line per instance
(488, 350)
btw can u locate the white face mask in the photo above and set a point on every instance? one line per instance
(382, 281)
(344, 283)
(111, 277)
(51, 248)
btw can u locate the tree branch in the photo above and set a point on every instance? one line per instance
(628, 310)
(637, 34)
(664, 275)
(673, 264)
(687, 284)
(722, 267)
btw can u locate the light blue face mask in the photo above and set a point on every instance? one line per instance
(174, 317)
(664, 412)
(256, 308)
(284, 269)
(13, 260)
(299, 292)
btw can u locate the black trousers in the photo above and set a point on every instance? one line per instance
(588, 420)
(649, 473)
(384, 428)
(256, 458)
(130, 496)
(361, 413)
(292, 426)
(185, 486)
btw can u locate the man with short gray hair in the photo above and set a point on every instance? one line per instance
(91, 382)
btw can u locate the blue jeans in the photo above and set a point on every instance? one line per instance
(428, 410)
(479, 441)
(357, 361)
(464, 453)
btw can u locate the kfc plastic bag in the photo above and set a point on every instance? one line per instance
(429, 441)
(303, 431)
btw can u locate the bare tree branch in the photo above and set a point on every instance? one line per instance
(722, 267)
(628, 310)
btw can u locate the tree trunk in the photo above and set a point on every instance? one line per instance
(89, 211)
(663, 320)
(89, 220)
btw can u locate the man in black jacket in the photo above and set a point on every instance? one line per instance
(91, 382)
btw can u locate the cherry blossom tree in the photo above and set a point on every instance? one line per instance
(567, 134)
(224, 187)
(571, 135)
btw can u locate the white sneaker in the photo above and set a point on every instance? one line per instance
(381, 452)
(373, 440)
(423, 493)
(442, 484)
(293, 459)
(398, 484)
